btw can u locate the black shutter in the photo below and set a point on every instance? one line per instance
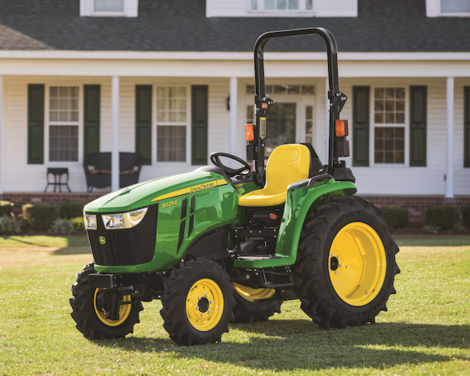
(36, 124)
(361, 125)
(418, 121)
(466, 158)
(143, 122)
(92, 108)
(200, 118)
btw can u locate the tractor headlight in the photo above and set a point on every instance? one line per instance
(123, 220)
(89, 221)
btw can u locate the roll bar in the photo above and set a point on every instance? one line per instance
(263, 102)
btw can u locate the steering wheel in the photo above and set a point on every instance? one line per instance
(245, 170)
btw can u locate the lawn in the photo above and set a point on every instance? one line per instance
(425, 331)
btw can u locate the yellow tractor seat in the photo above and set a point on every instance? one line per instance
(286, 165)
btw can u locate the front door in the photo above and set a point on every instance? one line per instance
(280, 126)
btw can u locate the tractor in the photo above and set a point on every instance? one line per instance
(227, 244)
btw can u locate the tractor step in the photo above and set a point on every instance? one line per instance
(259, 257)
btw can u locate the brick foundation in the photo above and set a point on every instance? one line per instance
(416, 205)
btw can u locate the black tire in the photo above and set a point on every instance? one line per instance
(337, 301)
(247, 311)
(198, 303)
(86, 316)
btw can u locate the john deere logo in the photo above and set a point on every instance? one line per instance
(102, 240)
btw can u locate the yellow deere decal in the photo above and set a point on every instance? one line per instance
(194, 188)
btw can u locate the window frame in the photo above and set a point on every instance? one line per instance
(434, 9)
(155, 125)
(87, 9)
(373, 125)
(260, 11)
(47, 125)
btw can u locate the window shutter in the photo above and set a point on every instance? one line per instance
(418, 120)
(200, 119)
(91, 135)
(361, 126)
(36, 124)
(143, 122)
(466, 160)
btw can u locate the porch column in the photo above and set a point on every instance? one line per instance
(450, 139)
(233, 115)
(1, 143)
(115, 134)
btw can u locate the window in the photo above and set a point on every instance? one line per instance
(448, 8)
(109, 8)
(284, 89)
(63, 123)
(308, 124)
(389, 125)
(281, 6)
(455, 6)
(172, 123)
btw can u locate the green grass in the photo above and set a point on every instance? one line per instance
(425, 331)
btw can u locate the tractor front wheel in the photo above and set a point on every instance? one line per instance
(346, 264)
(91, 309)
(198, 303)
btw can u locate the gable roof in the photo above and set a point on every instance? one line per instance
(181, 25)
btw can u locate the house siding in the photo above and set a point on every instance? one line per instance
(379, 179)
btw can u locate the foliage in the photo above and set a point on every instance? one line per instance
(430, 229)
(466, 216)
(72, 208)
(39, 216)
(397, 216)
(78, 223)
(63, 226)
(6, 208)
(426, 330)
(444, 216)
(9, 226)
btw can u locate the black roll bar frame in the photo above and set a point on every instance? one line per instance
(336, 98)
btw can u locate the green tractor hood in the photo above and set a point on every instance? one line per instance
(152, 191)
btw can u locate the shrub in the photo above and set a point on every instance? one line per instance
(39, 216)
(444, 216)
(63, 226)
(397, 216)
(466, 216)
(78, 224)
(9, 226)
(72, 208)
(6, 208)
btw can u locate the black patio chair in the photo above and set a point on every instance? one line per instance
(97, 168)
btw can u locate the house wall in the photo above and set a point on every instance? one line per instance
(378, 179)
(405, 180)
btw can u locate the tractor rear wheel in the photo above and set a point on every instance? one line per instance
(346, 264)
(198, 303)
(249, 310)
(91, 312)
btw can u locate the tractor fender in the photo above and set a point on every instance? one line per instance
(299, 200)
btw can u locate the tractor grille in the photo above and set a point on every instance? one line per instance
(132, 246)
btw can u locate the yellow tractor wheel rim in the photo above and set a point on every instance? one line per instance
(124, 311)
(357, 264)
(204, 305)
(251, 295)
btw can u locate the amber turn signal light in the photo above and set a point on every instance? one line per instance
(249, 134)
(342, 128)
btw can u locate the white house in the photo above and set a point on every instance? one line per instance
(173, 80)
